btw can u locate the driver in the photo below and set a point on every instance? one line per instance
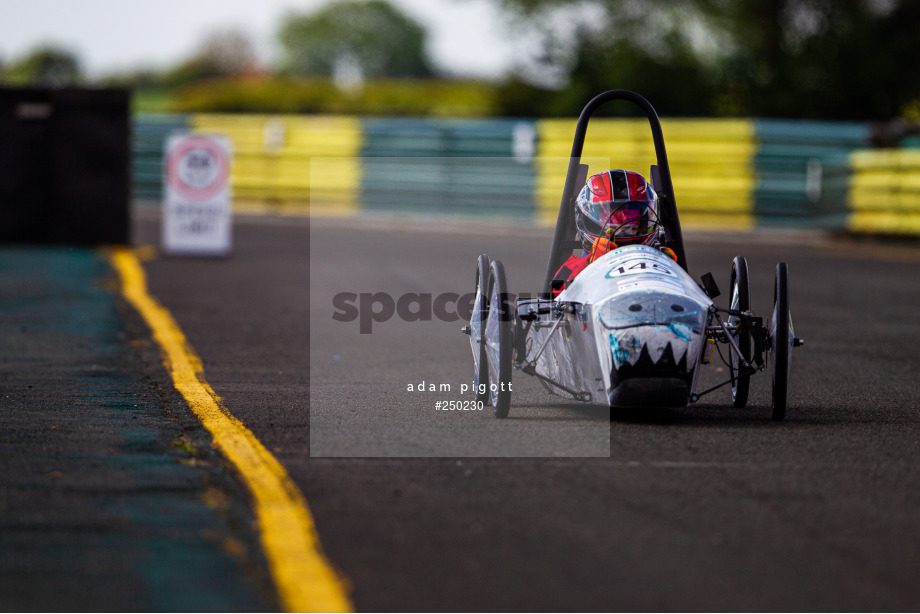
(615, 208)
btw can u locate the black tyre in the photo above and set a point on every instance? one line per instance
(477, 329)
(498, 342)
(740, 293)
(782, 341)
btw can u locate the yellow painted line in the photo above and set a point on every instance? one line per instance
(303, 578)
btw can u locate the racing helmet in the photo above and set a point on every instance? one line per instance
(618, 205)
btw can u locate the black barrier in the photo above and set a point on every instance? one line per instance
(64, 166)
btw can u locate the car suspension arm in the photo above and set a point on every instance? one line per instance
(742, 372)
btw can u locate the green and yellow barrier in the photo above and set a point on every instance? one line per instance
(711, 163)
(726, 173)
(273, 153)
(884, 192)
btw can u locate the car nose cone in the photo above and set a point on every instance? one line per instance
(652, 340)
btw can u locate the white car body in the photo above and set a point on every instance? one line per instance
(631, 332)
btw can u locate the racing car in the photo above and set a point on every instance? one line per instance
(633, 329)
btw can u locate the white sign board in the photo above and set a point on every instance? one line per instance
(196, 206)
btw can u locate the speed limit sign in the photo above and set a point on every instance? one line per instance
(196, 207)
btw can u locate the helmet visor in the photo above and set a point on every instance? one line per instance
(635, 219)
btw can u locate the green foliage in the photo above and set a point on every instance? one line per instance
(151, 100)
(221, 54)
(679, 84)
(911, 112)
(831, 59)
(827, 59)
(845, 59)
(44, 66)
(193, 70)
(143, 79)
(319, 95)
(372, 35)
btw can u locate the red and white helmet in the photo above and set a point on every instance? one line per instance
(618, 205)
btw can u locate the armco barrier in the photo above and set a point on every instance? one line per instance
(801, 170)
(481, 167)
(725, 172)
(710, 160)
(150, 132)
(272, 157)
(884, 192)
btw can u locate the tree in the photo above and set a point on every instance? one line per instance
(369, 37)
(662, 50)
(837, 59)
(841, 59)
(222, 53)
(45, 66)
(230, 51)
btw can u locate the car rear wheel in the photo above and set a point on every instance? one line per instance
(477, 328)
(498, 342)
(740, 294)
(782, 341)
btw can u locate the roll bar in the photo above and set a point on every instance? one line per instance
(564, 239)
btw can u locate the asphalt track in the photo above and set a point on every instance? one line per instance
(111, 495)
(556, 508)
(707, 508)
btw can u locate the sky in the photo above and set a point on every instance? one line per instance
(466, 37)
